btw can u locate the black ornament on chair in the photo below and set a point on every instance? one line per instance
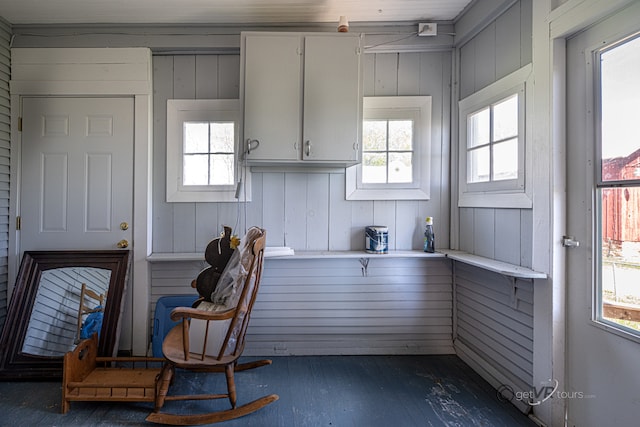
(217, 255)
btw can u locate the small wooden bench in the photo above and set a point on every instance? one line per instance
(87, 377)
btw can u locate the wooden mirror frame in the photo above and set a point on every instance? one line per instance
(15, 365)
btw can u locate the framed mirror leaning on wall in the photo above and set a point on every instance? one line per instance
(59, 298)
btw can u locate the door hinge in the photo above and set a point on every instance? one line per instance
(19, 124)
(18, 223)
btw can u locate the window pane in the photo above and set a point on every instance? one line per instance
(401, 135)
(196, 137)
(222, 137)
(478, 125)
(374, 168)
(505, 119)
(505, 160)
(478, 165)
(374, 135)
(400, 168)
(620, 261)
(620, 88)
(221, 169)
(195, 169)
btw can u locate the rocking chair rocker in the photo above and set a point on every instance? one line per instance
(211, 337)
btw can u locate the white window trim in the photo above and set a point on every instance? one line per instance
(181, 110)
(420, 189)
(498, 194)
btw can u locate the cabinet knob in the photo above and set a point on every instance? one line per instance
(307, 148)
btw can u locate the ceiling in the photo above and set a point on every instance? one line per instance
(69, 12)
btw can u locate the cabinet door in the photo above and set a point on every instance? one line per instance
(332, 98)
(272, 96)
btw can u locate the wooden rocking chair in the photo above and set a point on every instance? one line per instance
(212, 340)
(85, 309)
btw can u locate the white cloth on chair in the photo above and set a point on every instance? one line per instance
(224, 296)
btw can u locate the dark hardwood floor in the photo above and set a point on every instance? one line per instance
(368, 391)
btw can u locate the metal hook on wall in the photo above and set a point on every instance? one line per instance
(365, 265)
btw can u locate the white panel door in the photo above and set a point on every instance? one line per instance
(602, 363)
(76, 187)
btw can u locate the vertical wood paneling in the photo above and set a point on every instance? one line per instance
(507, 41)
(339, 209)
(436, 83)
(409, 74)
(274, 208)
(386, 74)
(361, 216)
(304, 211)
(295, 210)
(408, 226)
(255, 209)
(317, 212)
(228, 76)
(485, 57)
(502, 47)
(184, 214)
(484, 232)
(507, 242)
(368, 67)
(467, 54)
(162, 211)
(526, 238)
(526, 32)
(206, 75)
(206, 224)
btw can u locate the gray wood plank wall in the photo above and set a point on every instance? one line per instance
(500, 48)
(308, 211)
(494, 325)
(333, 306)
(492, 334)
(5, 157)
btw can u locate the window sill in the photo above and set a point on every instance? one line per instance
(495, 200)
(489, 264)
(286, 253)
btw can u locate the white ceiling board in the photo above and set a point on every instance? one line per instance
(23, 12)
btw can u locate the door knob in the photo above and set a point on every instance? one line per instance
(124, 243)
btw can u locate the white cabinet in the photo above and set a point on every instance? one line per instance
(302, 98)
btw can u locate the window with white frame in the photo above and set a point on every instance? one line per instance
(617, 189)
(492, 147)
(202, 141)
(395, 150)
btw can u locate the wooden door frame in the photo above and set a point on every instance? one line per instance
(122, 72)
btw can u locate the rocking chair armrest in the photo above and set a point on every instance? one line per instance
(187, 312)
